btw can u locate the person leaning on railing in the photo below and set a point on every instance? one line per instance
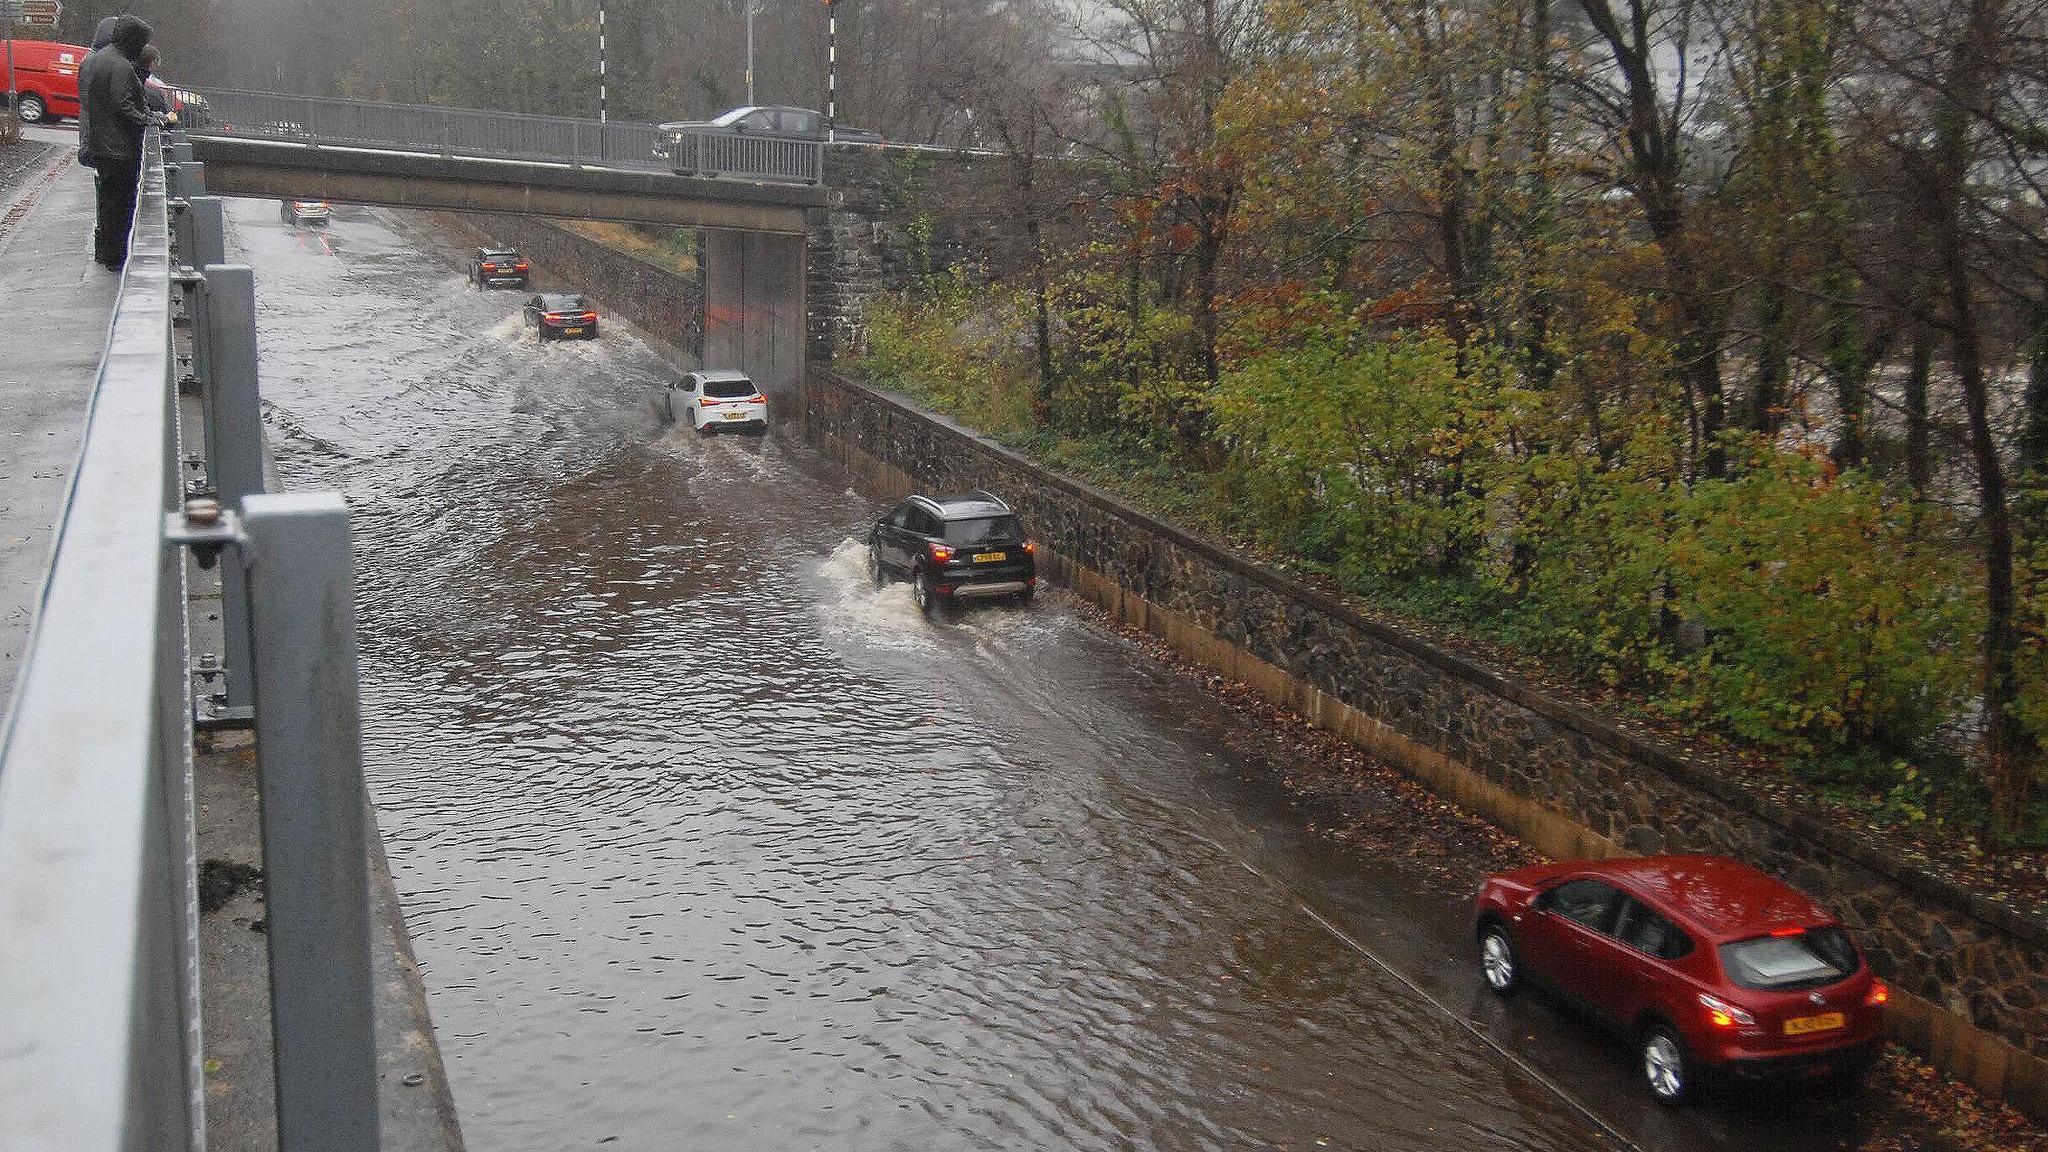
(154, 97)
(112, 115)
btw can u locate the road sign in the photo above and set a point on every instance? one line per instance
(43, 13)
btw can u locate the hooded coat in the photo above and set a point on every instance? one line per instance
(112, 110)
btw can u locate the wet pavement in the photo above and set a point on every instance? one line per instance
(56, 303)
(705, 843)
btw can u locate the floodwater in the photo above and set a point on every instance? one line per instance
(707, 844)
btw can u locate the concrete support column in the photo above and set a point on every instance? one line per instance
(754, 306)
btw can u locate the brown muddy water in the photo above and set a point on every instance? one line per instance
(707, 844)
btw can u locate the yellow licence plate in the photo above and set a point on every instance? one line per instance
(572, 331)
(990, 557)
(735, 415)
(1801, 1025)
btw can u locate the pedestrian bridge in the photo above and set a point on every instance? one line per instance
(420, 156)
(752, 196)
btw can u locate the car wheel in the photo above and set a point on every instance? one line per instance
(922, 594)
(1667, 1069)
(32, 109)
(878, 575)
(1025, 597)
(1497, 960)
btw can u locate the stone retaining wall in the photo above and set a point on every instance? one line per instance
(1971, 974)
(903, 217)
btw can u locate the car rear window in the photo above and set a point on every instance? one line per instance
(567, 301)
(985, 530)
(1810, 959)
(728, 389)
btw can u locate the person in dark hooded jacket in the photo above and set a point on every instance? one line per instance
(112, 116)
(104, 34)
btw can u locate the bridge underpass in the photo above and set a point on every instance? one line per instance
(707, 842)
(754, 230)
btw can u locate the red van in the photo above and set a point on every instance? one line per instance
(46, 79)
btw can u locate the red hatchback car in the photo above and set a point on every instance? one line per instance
(1703, 962)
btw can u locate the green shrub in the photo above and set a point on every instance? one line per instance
(1830, 624)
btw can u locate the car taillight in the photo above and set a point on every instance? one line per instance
(757, 399)
(590, 316)
(941, 554)
(1880, 993)
(1031, 547)
(519, 267)
(490, 267)
(707, 402)
(1722, 1014)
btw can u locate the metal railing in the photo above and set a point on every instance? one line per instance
(463, 132)
(715, 153)
(100, 1029)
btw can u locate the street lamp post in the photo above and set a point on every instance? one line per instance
(831, 65)
(750, 51)
(600, 63)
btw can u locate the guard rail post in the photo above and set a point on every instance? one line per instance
(208, 236)
(316, 874)
(234, 454)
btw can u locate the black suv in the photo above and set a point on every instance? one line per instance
(966, 547)
(491, 267)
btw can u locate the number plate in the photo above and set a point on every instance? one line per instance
(735, 415)
(572, 331)
(990, 557)
(1826, 1022)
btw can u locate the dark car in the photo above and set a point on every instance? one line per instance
(774, 120)
(495, 267)
(560, 315)
(1704, 963)
(965, 547)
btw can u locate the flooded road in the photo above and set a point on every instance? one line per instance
(706, 844)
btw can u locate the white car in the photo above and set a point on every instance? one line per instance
(304, 212)
(720, 399)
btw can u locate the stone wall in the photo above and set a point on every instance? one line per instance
(904, 216)
(1971, 974)
(664, 305)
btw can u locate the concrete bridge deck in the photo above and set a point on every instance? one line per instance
(397, 178)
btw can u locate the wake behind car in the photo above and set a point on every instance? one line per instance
(562, 315)
(297, 212)
(1704, 963)
(965, 547)
(711, 400)
(498, 268)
